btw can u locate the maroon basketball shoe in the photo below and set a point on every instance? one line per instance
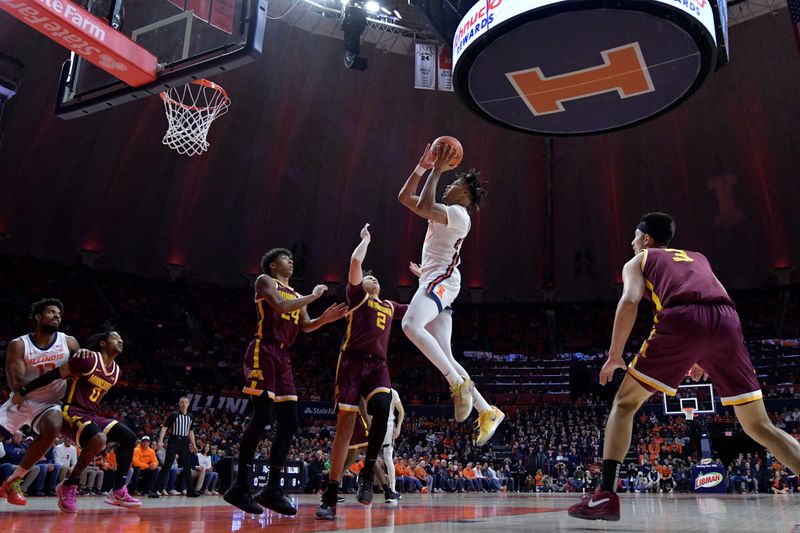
(601, 505)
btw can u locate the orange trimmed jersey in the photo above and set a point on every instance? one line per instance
(677, 277)
(369, 325)
(93, 381)
(274, 327)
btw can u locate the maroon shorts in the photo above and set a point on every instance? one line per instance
(707, 334)
(75, 419)
(360, 437)
(268, 368)
(359, 374)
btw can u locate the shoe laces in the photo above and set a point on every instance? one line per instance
(16, 486)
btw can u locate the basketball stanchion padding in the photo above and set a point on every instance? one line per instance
(191, 109)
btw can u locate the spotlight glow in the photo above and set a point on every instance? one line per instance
(372, 6)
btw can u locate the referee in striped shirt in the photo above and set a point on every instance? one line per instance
(181, 436)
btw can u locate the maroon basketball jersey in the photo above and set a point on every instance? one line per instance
(370, 324)
(94, 380)
(275, 327)
(675, 277)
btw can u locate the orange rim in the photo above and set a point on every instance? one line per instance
(204, 83)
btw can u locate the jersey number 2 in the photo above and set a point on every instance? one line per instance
(381, 321)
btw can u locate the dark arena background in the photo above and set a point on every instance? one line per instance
(330, 109)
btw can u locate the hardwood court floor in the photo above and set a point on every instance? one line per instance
(429, 513)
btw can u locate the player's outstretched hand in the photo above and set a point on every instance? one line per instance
(697, 373)
(334, 312)
(428, 158)
(365, 236)
(319, 290)
(415, 268)
(611, 365)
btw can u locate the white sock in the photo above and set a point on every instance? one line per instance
(480, 404)
(387, 458)
(454, 379)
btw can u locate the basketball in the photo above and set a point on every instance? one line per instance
(454, 144)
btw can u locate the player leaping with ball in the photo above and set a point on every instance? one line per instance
(428, 321)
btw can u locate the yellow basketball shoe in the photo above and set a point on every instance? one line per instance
(487, 423)
(462, 398)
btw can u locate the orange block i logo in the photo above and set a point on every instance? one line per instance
(623, 70)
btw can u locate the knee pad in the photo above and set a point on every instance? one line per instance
(87, 433)
(286, 415)
(262, 410)
(379, 405)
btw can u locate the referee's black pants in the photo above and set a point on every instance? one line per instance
(180, 446)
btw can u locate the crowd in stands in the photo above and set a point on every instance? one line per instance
(191, 335)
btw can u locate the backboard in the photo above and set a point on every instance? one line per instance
(699, 395)
(192, 39)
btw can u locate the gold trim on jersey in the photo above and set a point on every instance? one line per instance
(644, 258)
(654, 297)
(338, 362)
(262, 315)
(72, 420)
(285, 398)
(376, 391)
(643, 378)
(643, 350)
(96, 358)
(109, 426)
(347, 333)
(742, 399)
(99, 359)
(71, 392)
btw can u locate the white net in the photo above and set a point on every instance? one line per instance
(191, 109)
(688, 412)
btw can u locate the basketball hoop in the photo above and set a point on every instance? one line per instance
(688, 412)
(191, 109)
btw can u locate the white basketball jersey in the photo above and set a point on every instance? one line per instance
(441, 253)
(38, 362)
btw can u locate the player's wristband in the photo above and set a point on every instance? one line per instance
(22, 391)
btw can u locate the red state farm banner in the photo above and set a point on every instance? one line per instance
(88, 36)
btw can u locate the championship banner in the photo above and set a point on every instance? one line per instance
(425, 67)
(445, 68)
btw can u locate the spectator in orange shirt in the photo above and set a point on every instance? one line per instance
(412, 483)
(421, 473)
(145, 468)
(470, 481)
(401, 473)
